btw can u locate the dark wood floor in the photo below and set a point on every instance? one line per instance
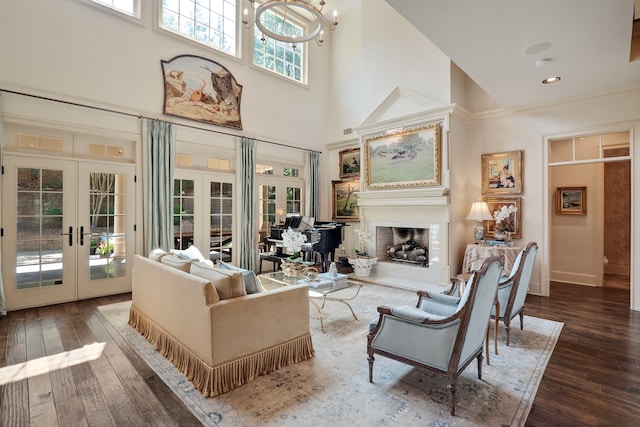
(592, 379)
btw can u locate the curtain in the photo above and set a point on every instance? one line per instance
(3, 306)
(158, 163)
(312, 193)
(247, 248)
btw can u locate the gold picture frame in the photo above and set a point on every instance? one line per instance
(345, 202)
(502, 173)
(350, 163)
(513, 223)
(408, 158)
(571, 201)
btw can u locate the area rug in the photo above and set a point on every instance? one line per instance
(332, 388)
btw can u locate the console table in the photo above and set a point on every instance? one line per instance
(475, 255)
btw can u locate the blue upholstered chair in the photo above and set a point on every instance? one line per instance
(444, 341)
(512, 290)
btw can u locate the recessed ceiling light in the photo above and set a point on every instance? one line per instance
(537, 48)
(549, 80)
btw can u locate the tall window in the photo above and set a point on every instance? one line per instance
(183, 200)
(277, 56)
(221, 222)
(294, 206)
(211, 22)
(267, 206)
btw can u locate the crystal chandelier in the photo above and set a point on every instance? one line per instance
(285, 11)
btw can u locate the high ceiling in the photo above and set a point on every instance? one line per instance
(509, 46)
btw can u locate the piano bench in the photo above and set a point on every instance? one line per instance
(274, 259)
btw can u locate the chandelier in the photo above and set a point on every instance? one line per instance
(282, 26)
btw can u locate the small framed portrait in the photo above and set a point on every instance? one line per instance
(345, 202)
(502, 173)
(350, 163)
(571, 201)
(511, 222)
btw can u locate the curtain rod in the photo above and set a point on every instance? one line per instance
(140, 116)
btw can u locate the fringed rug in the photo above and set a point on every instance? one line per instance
(332, 388)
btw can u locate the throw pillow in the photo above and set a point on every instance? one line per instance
(190, 253)
(250, 278)
(175, 262)
(229, 284)
(157, 254)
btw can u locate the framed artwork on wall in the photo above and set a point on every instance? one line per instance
(345, 202)
(350, 163)
(408, 158)
(502, 173)
(512, 222)
(200, 89)
(571, 201)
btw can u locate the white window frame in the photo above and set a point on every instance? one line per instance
(136, 16)
(301, 47)
(158, 9)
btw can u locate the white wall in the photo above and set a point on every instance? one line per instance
(71, 50)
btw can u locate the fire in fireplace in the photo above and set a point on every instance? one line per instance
(404, 245)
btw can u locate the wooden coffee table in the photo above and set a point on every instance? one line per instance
(317, 297)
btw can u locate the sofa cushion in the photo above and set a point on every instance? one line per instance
(157, 254)
(190, 253)
(229, 284)
(173, 261)
(250, 278)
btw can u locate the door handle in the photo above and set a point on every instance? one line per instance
(70, 234)
(82, 234)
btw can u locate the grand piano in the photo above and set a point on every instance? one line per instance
(328, 236)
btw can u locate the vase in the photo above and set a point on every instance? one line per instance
(292, 269)
(362, 265)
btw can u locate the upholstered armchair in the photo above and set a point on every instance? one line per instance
(512, 291)
(446, 341)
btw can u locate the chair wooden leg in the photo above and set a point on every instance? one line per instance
(370, 359)
(507, 328)
(521, 319)
(452, 393)
(479, 365)
(486, 346)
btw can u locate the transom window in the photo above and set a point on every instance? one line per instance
(211, 22)
(280, 57)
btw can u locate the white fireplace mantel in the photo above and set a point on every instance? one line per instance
(413, 197)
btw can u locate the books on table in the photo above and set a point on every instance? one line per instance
(339, 280)
(317, 284)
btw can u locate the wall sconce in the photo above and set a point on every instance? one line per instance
(479, 212)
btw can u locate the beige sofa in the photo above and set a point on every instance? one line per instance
(218, 344)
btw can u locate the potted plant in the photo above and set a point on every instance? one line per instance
(362, 263)
(105, 248)
(293, 241)
(93, 245)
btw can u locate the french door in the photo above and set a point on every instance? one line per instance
(68, 230)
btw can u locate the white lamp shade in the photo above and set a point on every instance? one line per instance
(479, 212)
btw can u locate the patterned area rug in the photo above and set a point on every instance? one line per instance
(332, 388)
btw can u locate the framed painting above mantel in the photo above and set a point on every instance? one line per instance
(407, 158)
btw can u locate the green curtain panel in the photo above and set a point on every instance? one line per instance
(247, 253)
(313, 184)
(158, 169)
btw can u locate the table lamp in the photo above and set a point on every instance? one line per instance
(479, 212)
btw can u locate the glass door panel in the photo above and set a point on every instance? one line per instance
(39, 248)
(106, 240)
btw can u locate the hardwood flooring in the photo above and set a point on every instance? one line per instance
(592, 379)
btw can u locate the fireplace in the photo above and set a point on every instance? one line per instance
(408, 245)
(402, 217)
